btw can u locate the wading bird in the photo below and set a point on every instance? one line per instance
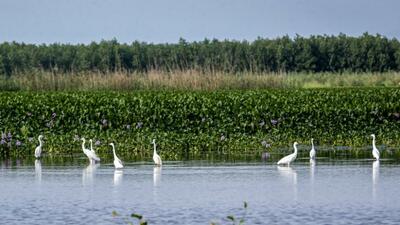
(38, 150)
(117, 161)
(312, 151)
(375, 151)
(91, 156)
(156, 157)
(92, 150)
(289, 158)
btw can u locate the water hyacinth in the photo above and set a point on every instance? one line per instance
(274, 122)
(53, 115)
(139, 125)
(9, 136)
(97, 143)
(18, 143)
(2, 142)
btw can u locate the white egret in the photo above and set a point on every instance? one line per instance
(38, 150)
(375, 151)
(117, 161)
(312, 152)
(156, 157)
(92, 150)
(91, 156)
(289, 158)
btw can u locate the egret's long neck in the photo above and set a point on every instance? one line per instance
(83, 145)
(115, 155)
(373, 142)
(154, 152)
(312, 144)
(40, 142)
(295, 149)
(91, 144)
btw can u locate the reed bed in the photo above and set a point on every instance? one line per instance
(191, 80)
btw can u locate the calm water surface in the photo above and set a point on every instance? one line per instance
(343, 192)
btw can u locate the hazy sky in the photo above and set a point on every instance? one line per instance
(83, 21)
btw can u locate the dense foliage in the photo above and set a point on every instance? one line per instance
(185, 123)
(367, 53)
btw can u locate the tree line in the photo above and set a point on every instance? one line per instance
(321, 53)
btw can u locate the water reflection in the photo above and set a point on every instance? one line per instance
(118, 177)
(38, 170)
(375, 177)
(291, 176)
(157, 175)
(88, 173)
(312, 173)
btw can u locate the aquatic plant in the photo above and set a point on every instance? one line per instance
(195, 123)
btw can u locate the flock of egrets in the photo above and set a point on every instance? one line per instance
(290, 158)
(93, 158)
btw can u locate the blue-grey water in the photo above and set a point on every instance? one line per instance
(342, 192)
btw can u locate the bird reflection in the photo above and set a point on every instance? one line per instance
(88, 173)
(312, 172)
(375, 177)
(157, 175)
(290, 175)
(38, 171)
(118, 177)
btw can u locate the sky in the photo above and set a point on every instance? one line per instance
(161, 21)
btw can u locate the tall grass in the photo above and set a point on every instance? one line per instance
(192, 80)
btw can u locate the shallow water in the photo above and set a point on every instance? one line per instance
(197, 192)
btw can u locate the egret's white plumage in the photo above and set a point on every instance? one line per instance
(38, 150)
(289, 158)
(117, 161)
(312, 151)
(156, 157)
(96, 158)
(375, 151)
(91, 156)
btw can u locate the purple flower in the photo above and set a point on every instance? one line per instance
(53, 115)
(9, 136)
(30, 139)
(2, 142)
(274, 122)
(97, 143)
(139, 125)
(18, 143)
